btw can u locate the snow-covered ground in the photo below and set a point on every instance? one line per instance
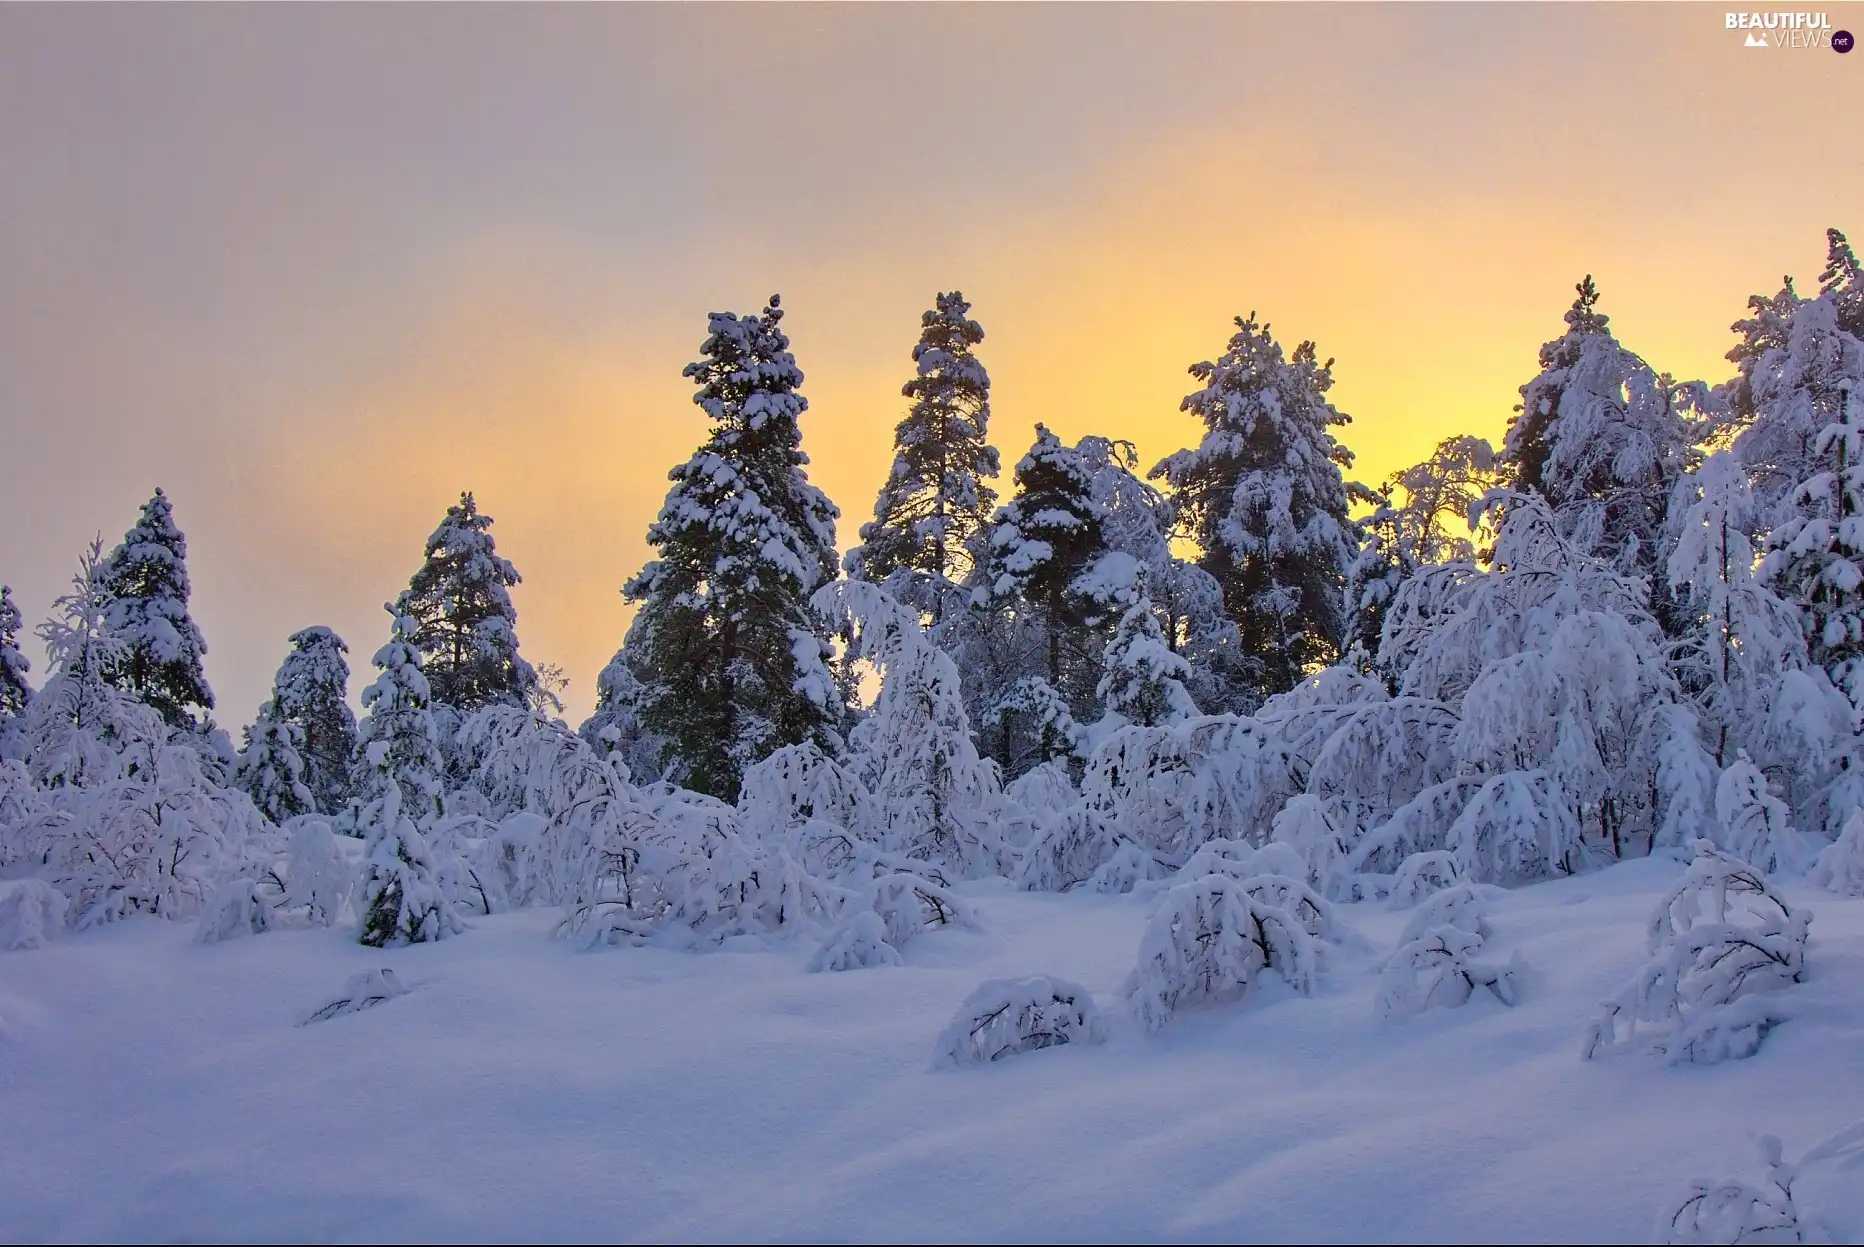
(156, 1089)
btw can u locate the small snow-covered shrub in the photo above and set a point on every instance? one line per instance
(1211, 940)
(1723, 943)
(237, 908)
(857, 944)
(32, 914)
(1752, 821)
(1840, 867)
(910, 903)
(318, 876)
(1004, 1017)
(1318, 835)
(1438, 970)
(1421, 874)
(361, 991)
(1465, 907)
(1735, 1211)
(1068, 847)
(1129, 867)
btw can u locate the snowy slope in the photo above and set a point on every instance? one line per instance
(154, 1089)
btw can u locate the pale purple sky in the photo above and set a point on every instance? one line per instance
(316, 268)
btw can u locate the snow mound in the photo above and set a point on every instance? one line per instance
(361, 991)
(32, 914)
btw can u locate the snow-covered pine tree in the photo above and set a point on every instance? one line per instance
(1266, 502)
(465, 624)
(1815, 556)
(1529, 441)
(398, 745)
(147, 580)
(1604, 439)
(311, 693)
(15, 692)
(738, 662)
(1796, 358)
(1139, 520)
(937, 495)
(1144, 681)
(1043, 540)
(1842, 282)
(271, 766)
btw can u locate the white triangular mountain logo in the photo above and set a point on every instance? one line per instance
(1755, 40)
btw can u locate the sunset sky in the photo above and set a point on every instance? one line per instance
(315, 269)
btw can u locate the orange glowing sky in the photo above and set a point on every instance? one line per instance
(316, 269)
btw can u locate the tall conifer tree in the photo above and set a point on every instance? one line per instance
(734, 661)
(1265, 500)
(147, 580)
(465, 624)
(937, 495)
(311, 693)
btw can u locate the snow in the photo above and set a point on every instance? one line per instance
(157, 1089)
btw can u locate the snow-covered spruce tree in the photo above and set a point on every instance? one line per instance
(1795, 367)
(1264, 499)
(937, 495)
(1139, 521)
(465, 624)
(1529, 441)
(735, 662)
(1042, 542)
(271, 766)
(399, 784)
(310, 692)
(1815, 554)
(398, 746)
(15, 692)
(1842, 281)
(1736, 638)
(1604, 439)
(147, 579)
(1143, 680)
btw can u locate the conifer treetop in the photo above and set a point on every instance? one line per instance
(147, 579)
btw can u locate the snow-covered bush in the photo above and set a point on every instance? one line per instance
(32, 914)
(1840, 867)
(1723, 943)
(909, 904)
(1465, 906)
(1309, 827)
(857, 944)
(1438, 970)
(1068, 848)
(1211, 941)
(318, 875)
(360, 991)
(239, 907)
(1751, 821)
(1422, 874)
(1735, 1211)
(1004, 1017)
